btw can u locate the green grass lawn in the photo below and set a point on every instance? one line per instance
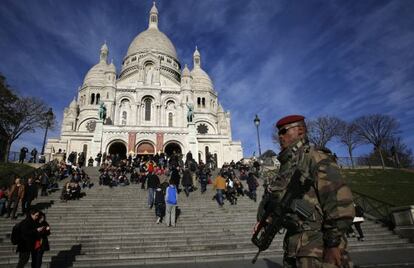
(391, 185)
(10, 170)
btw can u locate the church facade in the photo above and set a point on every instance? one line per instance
(152, 105)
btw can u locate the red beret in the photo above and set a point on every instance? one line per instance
(289, 120)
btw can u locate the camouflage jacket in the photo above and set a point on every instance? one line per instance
(324, 192)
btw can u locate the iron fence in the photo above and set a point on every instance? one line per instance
(375, 209)
(360, 162)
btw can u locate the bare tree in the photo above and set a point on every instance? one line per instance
(7, 102)
(323, 129)
(349, 136)
(398, 152)
(376, 129)
(27, 115)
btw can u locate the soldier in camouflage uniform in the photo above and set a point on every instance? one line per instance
(317, 240)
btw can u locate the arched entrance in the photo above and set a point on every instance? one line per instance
(172, 147)
(118, 148)
(145, 148)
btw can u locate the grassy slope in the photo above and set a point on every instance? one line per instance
(392, 186)
(9, 170)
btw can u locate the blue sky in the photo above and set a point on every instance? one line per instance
(268, 57)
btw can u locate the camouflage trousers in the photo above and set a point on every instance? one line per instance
(311, 262)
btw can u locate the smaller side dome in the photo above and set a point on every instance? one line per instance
(73, 104)
(201, 80)
(186, 72)
(96, 75)
(111, 68)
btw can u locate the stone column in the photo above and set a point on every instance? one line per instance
(192, 140)
(97, 139)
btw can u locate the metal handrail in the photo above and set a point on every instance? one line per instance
(375, 209)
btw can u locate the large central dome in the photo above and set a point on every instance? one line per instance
(152, 39)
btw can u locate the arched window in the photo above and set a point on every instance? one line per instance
(148, 109)
(170, 119)
(124, 118)
(93, 98)
(203, 101)
(98, 98)
(198, 101)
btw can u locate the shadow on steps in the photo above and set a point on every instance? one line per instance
(271, 264)
(43, 205)
(65, 258)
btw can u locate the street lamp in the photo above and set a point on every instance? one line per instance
(49, 117)
(257, 123)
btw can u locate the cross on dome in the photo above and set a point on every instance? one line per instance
(197, 58)
(153, 19)
(104, 52)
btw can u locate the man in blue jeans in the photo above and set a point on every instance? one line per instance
(152, 183)
(171, 201)
(220, 186)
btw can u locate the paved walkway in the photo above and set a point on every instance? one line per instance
(382, 258)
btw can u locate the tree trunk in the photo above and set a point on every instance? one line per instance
(3, 150)
(382, 159)
(7, 151)
(350, 155)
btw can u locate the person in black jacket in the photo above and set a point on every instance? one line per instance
(187, 181)
(175, 177)
(44, 182)
(152, 183)
(41, 244)
(29, 233)
(252, 185)
(159, 200)
(29, 195)
(203, 175)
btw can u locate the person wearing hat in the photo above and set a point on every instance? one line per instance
(314, 238)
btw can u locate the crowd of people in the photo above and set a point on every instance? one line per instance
(164, 178)
(21, 193)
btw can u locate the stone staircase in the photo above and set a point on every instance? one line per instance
(114, 227)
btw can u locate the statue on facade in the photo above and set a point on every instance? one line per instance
(102, 111)
(190, 112)
(149, 75)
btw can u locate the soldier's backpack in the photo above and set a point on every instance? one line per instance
(16, 234)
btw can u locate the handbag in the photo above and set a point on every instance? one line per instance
(38, 244)
(358, 219)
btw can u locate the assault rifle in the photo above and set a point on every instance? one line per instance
(273, 219)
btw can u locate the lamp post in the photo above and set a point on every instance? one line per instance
(257, 123)
(49, 117)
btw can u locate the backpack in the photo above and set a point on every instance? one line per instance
(16, 234)
(172, 196)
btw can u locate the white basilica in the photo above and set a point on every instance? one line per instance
(147, 105)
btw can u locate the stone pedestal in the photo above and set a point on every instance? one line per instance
(403, 218)
(192, 141)
(97, 140)
(58, 156)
